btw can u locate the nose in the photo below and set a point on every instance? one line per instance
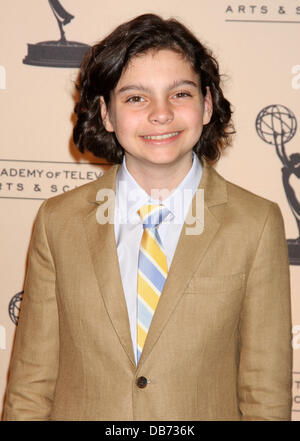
(161, 113)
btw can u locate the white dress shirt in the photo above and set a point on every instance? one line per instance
(129, 229)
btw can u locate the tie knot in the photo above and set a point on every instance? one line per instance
(153, 215)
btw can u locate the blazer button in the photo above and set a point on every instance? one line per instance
(141, 382)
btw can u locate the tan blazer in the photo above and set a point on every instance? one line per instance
(219, 346)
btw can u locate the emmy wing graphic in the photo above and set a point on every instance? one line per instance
(277, 125)
(61, 53)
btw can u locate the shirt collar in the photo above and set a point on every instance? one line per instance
(130, 196)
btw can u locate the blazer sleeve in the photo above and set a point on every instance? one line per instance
(34, 363)
(265, 368)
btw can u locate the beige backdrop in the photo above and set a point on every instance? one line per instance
(257, 45)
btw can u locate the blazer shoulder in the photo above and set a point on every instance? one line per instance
(219, 190)
(251, 213)
(248, 208)
(246, 199)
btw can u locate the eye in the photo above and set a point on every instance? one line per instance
(135, 99)
(182, 95)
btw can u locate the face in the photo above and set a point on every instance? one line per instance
(157, 111)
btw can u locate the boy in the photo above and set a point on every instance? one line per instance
(126, 316)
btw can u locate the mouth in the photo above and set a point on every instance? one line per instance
(162, 137)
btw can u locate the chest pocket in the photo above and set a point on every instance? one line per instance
(203, 285)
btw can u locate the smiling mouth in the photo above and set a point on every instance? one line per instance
(161, 137)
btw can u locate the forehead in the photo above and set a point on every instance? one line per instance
(158, 65)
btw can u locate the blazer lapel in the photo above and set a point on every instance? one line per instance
(102, 245)
(189, 254)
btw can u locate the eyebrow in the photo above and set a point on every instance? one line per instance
(175, 84)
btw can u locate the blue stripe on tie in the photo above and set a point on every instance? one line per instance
(156, 217)
(147, 267)
(145, 316)
(157, 237)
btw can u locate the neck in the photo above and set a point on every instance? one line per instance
(159, 180)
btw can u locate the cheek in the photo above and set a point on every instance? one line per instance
(191, 109)
(193, 117)
(128, 123)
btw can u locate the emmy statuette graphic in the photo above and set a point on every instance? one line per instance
(277, 125)
(61, 53)
(15, 306)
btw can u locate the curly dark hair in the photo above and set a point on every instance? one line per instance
(102, 68)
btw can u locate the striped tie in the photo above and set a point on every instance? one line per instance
(152, 270)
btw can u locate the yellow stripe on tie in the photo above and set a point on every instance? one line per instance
(141, 336)
(145, 210)
(147, 293)
(154, 250)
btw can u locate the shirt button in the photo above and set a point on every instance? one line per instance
(141, 382)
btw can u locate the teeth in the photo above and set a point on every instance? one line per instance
(168, 135)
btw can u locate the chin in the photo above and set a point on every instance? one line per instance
(170, 157)
(163, 159)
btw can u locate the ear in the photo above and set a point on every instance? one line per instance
(208, 107)
(105, 115)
